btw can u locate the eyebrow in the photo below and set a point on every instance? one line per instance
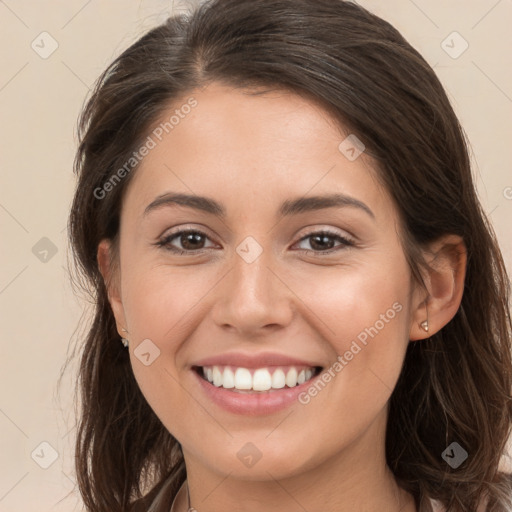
(289, 207)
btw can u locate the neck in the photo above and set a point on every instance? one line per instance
(393, 499)
(357, 478)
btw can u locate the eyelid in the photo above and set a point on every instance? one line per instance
(347, 240)
(163, 240)
(196, 228)
(317, 229)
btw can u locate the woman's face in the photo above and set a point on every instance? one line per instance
(261, 288)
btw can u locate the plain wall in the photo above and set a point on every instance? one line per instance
(40, 99)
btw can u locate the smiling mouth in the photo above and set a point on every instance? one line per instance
(254, 380)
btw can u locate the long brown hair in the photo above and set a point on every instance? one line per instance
(455, 386)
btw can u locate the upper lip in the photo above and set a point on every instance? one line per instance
(259, 360)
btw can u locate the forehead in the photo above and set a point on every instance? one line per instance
(251, 149)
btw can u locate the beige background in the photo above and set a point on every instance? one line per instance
(39, 103)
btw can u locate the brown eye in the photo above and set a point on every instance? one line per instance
(323, 242)
(191, 241)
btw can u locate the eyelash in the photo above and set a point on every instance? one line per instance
(165, 242)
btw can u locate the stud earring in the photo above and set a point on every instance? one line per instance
(124, 341)
(424, 324)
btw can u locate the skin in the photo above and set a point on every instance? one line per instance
(251, 153)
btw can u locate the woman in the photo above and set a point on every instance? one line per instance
(276, 211)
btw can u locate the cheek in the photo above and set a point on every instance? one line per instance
(159, 304)
(366, 311)
(360, 302)
(157, 300)
(364, 317)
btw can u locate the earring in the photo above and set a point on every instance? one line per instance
(424, 324)
(124, 341)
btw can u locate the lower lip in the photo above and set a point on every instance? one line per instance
(252, 404)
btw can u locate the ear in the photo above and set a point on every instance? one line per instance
(444, 280)
(111, 278)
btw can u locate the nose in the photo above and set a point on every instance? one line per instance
(252, 299)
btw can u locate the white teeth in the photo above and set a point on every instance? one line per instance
(260, 379)
(228, 379)
(278, 379)
(291, 377)
(243, 378)
(217, 377)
